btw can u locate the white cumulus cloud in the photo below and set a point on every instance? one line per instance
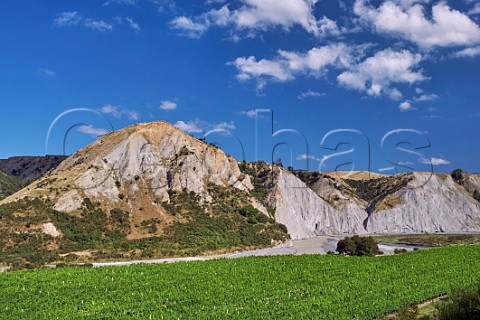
(404, 106)
(190, 28)
(199, 126)
(434, 161)
(118, 113)
(468, 52)
(288, 64)
(426, 97)
(446, 27)
(376, 74)
(189, 126)
(259, 15)
(168, 105)
(87, 129)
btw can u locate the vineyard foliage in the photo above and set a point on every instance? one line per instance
(300, 287)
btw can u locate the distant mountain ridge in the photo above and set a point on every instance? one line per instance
(16, 172)
(9, 184)
(30, 167)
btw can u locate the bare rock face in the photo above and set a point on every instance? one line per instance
(68, 202)
(50, 229)
(138, 165)
(427, 204)
(406, 203)
(158, 157)
(306, 214)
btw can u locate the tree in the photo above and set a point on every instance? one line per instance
(358, 246)
(457, 175)
(278, 162)
(476, 195)
(347, 246)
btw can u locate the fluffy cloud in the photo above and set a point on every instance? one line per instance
(251, 68)
(447, 26)
(168, 105)
(259, 15)
(404, 106)
(199, 126)
(118, 113)
(189, 28)
(92, 130)
(190, 126)
(426, 97)
(376, 74)
(434, 161)
(288, 64)
(468, 52)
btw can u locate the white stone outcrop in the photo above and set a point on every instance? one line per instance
(305, 214)
(430, 203)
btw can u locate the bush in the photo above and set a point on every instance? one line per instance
(358, 246)
(476, 195)
(120, 220)
(399, 250)
(253, 215)
(409, 311)
(463, 304)
(457, 175)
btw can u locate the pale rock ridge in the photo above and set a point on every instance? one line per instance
(162, 157)
(138, 162)
(305, 214)
(428, 204)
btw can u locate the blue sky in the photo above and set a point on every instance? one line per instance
(403, 72)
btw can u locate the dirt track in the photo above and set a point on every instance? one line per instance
(317, 245)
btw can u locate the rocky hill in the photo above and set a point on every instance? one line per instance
(147, 190)
(151, 190)
(404, 203)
